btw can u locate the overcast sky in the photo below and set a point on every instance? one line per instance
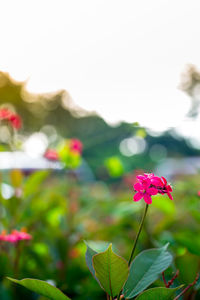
(121, 58)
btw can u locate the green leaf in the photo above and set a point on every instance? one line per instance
(42, 288)
(111, 270)
(99, 247)
(158, 293)
(145, 269)
(88, 257)
(34, 182)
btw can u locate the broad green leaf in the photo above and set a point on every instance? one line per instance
(158, 293)
(99, 247)
(88, 257)
(42, 288)
(111, 270)
(145, 269)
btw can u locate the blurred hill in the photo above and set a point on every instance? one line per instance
(100, 140)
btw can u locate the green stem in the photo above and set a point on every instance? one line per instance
(138, 234)
(17, 258)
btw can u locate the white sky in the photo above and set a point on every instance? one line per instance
(121, 58)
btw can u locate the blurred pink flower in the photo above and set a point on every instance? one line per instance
(14, 119)
(15, 236)
(76, 146)
(21, 235)
(11, 238)
(5, 114)
(51, 154)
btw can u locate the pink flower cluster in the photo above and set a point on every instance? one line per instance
(150, 185)
(14, 119)
(15, 236)
(76, 146)
(51, 154)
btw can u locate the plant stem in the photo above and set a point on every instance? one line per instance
(170, 282)
(165, 282)
(188, 287)
(17, 258)
(138, 234)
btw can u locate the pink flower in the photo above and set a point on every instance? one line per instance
(144, 191)
(15, 236)
(5, 114)
(11, 238)
(51, 154)
(76, 146)
(21, 235)
(14, 119)
(165, 188)
(150, 185)
(198, 193)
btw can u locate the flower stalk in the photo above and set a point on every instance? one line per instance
(138, 234)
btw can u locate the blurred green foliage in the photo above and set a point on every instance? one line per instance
(60, 212)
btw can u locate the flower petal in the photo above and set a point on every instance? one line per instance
(164, 180)
(138, 187)
(147, 198)
(138, 196)
(156, 181)
(141, 177)
(169, 195)
(169, 188)
(146, 183)
(152, 191)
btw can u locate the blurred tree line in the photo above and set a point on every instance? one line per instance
(100, 140)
